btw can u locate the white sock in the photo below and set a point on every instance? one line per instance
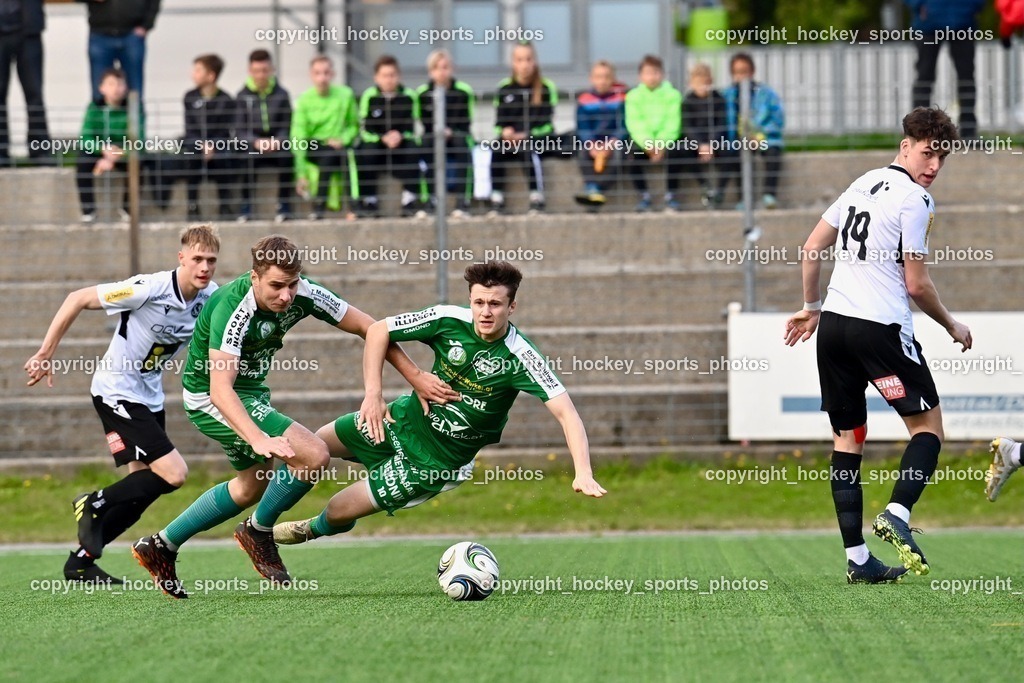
(858, 554)
(170, 546)
(900, 511)
(259, 527)
(407, 197)
(1015, 455)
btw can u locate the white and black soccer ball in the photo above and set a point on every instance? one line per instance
(467, 571)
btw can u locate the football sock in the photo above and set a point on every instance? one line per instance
(284, 491)
(210, 509)
(141, 485)
(858, 554)
(82, 559)
(1015, 455)
(119, 518)
(899, 511)
(920, 459)
(321, 527)
(844, 476)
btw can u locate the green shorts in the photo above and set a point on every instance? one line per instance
(208, 420)
(395, 481)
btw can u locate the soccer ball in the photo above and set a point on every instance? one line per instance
(467, 571)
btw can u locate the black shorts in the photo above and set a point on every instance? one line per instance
(853, 352)
(134, 432)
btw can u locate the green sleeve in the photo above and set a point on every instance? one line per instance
(415, 326)
(320, 302)
(364, 110)
(92, 125)
(300, 136)
(350, 119)
(674, 115)
(637, 123)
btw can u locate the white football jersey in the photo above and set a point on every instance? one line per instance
(883, 214)
(155, 323)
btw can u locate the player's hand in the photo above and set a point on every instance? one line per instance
(372, 414)
(273, 447)
(335, 143)
(302, 187)
(801, 326)
(38, 367)
(961, 334)
(704, 152)
(430, 389)
(585, 484)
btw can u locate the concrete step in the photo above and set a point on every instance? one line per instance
(315, 360)
(664, 414)
(809, 179)
(402, 248)
(642, 296)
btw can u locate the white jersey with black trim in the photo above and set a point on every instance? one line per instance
(881, 216)
(155, 323)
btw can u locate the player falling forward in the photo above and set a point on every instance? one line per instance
(866, 334)
(226, 398)
(412, 455)
(1005, 461)
(158, 312)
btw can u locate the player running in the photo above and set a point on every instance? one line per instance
(157, 314)
(1005, 461)
(882, 222)
(227, 399)
(411, 455)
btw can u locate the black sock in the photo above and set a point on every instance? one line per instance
(844, 475)
(120, 518)
(140, 485)
(80, 559)
(917, 466)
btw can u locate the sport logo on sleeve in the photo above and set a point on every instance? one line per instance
(118, 294)
(890, 387)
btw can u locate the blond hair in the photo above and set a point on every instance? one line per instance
(202, 235)
(436, 56)
(700, 69)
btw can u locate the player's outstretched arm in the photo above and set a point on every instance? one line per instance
(38, 366)
(579, 447)
(922, 290)
(374, 410)
(803, 323)
(223, 371)
(428, 386)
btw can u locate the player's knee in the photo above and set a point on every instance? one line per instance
(315, 455)
(175, 476)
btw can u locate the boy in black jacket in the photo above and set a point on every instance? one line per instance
(703, 123)
(388, 112)
(263, 123)
(209, 119)
(525, 104)
(459, 102)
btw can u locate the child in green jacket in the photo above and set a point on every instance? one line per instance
(104, 132)
(654, 121)
(324, 126)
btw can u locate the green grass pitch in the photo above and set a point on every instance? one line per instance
(372, 610)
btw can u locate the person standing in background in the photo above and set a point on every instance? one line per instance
(117, 33)
(950, 22)
(21, 25)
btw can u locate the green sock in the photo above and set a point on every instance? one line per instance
(321, 527)
(284, 491)
(209, 510)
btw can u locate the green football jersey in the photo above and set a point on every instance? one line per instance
(489, 375)
(231, 322)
